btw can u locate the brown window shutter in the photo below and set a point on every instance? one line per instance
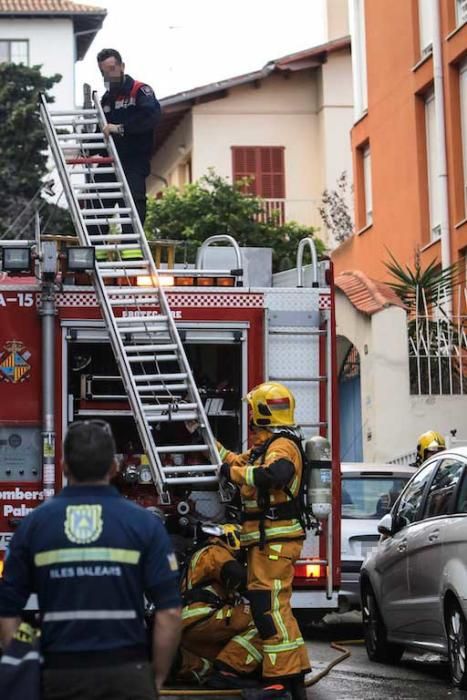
(272, 177)
(244, 164)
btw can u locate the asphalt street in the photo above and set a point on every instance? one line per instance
(418, 676)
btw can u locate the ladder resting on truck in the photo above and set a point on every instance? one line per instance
(92, 177)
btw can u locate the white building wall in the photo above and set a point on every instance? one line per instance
(52, 46)
(278, 113)
(392, 418)
(175, 152)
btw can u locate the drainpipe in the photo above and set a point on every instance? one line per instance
(47, 312)
(441, 160)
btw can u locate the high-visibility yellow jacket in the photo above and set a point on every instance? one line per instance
(207, 571)
(282, 450)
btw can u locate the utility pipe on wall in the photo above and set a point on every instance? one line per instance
(441, 160)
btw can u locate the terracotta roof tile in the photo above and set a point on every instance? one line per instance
(367, 295)
(49, 7)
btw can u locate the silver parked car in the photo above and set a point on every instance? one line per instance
(414, 584)
(368, 491)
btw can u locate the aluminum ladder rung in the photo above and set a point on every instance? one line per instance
(107, 222)
(150, 326)
(96, 185)
(79, 148)
(167, 449)
(176, 416)
(120, 264)
(152, 388)
(192, 469)
(153, 358)
(161, 377)
(72, 112)
(73, 121)
(115, 247)
(123, 320)
(150, 348)
(104, 195)
(96, 238)
(80, 137)
(169, 408)
(180, 480)
(90, 212)
(90, 171)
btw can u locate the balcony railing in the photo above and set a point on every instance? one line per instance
(280, 211)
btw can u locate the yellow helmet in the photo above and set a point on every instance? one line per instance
(272, 405)
(430, 441)
(228, 532)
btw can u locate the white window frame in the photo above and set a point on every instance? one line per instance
(461, 12)
(434, 200)
(463, 120)
(10, 43)
(359, 68)
(425, 23)
(366, 166)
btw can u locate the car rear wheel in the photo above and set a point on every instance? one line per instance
(457, 641)
(377, 646)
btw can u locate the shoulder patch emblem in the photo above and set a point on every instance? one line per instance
(83, 524)
(146, 89)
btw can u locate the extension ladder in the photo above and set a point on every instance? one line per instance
(146, 349)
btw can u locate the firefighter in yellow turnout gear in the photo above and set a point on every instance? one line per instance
(269, 477)
(217, 626)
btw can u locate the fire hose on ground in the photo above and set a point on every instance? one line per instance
(312, 680)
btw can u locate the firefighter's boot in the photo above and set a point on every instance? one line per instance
(223, 680)
(297, 689)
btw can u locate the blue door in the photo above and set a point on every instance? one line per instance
(350, 409)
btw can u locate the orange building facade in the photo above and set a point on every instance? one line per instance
(397, 167)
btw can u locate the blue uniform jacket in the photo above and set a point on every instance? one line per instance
(134, 105)
(90, 555)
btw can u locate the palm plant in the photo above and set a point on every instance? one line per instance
(435, 342)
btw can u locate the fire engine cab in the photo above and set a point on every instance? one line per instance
(57, 365)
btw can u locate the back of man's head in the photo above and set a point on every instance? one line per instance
(89, 450)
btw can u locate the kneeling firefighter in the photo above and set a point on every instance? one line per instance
(218, 627)
(270, 476)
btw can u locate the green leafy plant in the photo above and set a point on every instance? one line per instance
(23, 152)
(213, 206)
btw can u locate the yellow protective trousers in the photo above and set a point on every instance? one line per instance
(227, 634)
(270, 576)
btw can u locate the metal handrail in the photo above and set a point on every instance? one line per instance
(220, 238)
(308, 241)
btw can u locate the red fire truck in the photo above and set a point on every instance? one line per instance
(234, 337)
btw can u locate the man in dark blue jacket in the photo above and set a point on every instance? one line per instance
(132, 112)
(91, 555)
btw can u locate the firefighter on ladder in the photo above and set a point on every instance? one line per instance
(269, 476)
(132, 112)
(218, 628)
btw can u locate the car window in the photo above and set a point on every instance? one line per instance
(461, 500)
(412, 497)
(442, 487)
(369, 498)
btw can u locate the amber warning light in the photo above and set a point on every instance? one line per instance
(309, 570)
